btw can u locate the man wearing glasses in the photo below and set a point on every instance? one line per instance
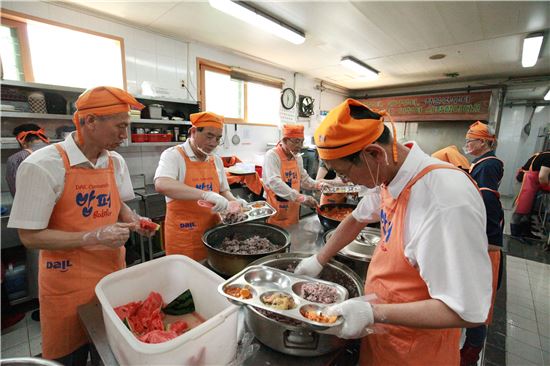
(186, 174)
(284, 175)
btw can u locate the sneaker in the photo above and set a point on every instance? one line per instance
(469, 355)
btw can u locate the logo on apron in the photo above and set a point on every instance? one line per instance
(102, 203)
(63, 265)
(386, 225)
(187, 225)
(204, 186)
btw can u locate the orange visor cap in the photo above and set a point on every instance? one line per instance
(479, 130)
(293, 131)
(341, 135)
(206, 119)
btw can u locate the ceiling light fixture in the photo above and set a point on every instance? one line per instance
(531, 49)
(547, 95)
(255, 17)
(359, 67)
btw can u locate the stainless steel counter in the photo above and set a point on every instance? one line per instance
(306, 237)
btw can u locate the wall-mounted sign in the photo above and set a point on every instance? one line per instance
(436, 107)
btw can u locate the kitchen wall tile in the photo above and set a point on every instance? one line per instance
(21, 350)
(524, 351)
(522, 322)
(145, 41)
(146, 67)
(523, 335)
(36, 8)
(513, 360)
(166, 70)
(15, 337)
(130, 65)
(66, 16)
(96, 24)
(165, 46)
(125, 32)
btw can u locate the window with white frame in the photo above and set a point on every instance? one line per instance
(239, 101)
(60, 55)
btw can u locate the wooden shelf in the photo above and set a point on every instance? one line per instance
(15, 145)
(37, 86)
(27, 115)
(165, 99)
(171, 143)
(160, 121)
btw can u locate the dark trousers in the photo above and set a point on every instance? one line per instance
(80, 357)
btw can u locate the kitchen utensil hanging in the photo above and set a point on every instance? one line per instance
(235, 139)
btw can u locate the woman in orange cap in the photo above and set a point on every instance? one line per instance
(186, 174)
(431, 271)
(69, 204)
(284, 175)
(487, 170)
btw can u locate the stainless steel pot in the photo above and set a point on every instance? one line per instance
(358, 253)
(229, 264)
(299, 339)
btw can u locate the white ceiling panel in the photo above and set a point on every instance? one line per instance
(480, 39)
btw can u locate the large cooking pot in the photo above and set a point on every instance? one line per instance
(229, 264)
(327, 222)
(357, 254)
(295, 338)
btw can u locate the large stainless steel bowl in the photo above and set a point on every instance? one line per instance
(292, 337)
(229, 264)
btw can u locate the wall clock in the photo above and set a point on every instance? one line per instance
(288, 98)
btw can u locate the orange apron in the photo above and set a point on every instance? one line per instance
(67, 278)
(288, 212)
(529, 188)
(333, 198)
(186, 221)
(395, 280)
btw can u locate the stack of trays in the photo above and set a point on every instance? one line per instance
(254, 211)
(285, 293)
(342, 189)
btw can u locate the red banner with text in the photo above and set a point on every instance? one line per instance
(435, 107)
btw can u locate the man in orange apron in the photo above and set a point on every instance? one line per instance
(69, 203)
(431, 272)
(534, 177)
(450, 154)
(186, 174)
(284, 175)
(487, 171)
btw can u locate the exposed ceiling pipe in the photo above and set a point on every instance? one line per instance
(451, 90)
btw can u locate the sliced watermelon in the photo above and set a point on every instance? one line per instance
(155, 321)
(148, 225)
(179, 326)
(125, 311)
(158, 336)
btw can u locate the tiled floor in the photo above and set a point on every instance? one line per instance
(23, 339)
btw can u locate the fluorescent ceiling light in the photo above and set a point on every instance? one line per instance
(547, 95)
(361, 68)
(531, 49)
(253, 16)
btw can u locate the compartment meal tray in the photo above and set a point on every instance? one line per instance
(254, 211)
(264, 280)
(342, 189)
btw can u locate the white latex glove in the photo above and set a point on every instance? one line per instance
(242, 202)
(220, 203)
(309, 267)
(112, 236)
(136, 221)
(307, 201)
(320, 185)
(358, 316)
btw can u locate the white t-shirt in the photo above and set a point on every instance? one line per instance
(272, 176)
(444, 234)
(41, 180)
(172, 165)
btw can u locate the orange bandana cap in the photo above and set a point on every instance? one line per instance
(206, 119)
(103, 101)
(41, 134)
(450, 154)
(480, 131)
(293, 131)
(340, 135)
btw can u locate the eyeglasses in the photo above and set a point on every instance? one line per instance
(296, 141)
(211, 137)
(469, 141)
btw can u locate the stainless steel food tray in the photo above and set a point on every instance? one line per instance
(264, 280)
(253, 213)
(342, 189)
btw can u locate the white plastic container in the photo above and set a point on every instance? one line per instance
(214, 342)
